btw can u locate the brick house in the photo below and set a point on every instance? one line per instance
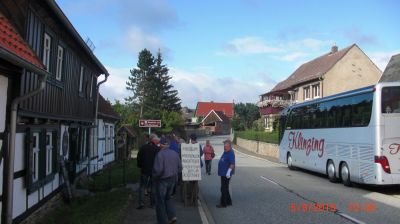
(334, 72)
(215, 117)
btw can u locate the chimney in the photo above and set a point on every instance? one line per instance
(334, 49)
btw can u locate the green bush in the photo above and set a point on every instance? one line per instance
(269, 137)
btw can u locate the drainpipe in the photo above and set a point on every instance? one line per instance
(11, 152)
(96, 110)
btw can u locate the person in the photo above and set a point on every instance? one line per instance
(209, 154)
(167, 165)
(226, 168)
(145, 161)
(174, 144)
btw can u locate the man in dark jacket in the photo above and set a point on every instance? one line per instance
(145, 161)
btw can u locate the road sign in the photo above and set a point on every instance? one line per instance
(150, 123)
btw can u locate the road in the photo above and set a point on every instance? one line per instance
(268, 192)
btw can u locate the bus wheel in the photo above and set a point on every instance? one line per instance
(331, 171)
(345, 174)
(290, 162)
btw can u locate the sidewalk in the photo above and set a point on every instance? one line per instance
(147, 215)
(241, 149)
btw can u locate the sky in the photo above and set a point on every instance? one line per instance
(229, 50)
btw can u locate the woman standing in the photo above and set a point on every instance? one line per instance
(226, 168)
(208, 151)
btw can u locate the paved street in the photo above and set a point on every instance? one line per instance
(267, 192)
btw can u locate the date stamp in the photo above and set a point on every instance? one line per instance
(353, 207)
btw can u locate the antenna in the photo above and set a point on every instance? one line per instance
(90, 44)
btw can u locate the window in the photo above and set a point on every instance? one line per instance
(35, 157)
(391, 99)
(91, 88)
(46, 51)
(42, 161)
(266, 122)
(60, 59)
(81, 79)
(106, 135)
(306, 93)
(353, 111)
(111, 138)
(49, 153)
(316, 91)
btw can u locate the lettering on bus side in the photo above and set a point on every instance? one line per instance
(297, 141)
(394, 148)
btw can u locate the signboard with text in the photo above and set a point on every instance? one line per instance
(191, 169)
(150, 123)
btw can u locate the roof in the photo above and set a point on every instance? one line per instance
(106, 110)
(313, 69)
(129, 129)
(220, 115)
(392, 70)
(203, 108)
(11, 41)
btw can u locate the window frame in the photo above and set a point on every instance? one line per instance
(316, 88)
(81, 76)
(306, 93)
(46, 51)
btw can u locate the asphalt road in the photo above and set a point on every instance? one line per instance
(267, 192)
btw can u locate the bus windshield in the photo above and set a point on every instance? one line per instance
(391, 99)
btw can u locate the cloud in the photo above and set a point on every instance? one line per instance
(197, 86)
(115, 86)
(150, 15)
(136, 40)
(247, 45)
(382, 58)
(355, 35)
(293, 56)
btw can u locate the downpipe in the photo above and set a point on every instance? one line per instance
(11, 150)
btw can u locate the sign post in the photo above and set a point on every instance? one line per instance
(150, 124)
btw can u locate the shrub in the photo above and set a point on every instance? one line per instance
(269, 137)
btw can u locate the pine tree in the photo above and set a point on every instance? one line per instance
(168, 96)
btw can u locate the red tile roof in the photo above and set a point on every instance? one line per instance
(11, 41)
(312, 70)
(203, 108)
(106, 110)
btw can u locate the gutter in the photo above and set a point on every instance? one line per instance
(9, 168)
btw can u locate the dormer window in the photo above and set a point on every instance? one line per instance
(46, 51)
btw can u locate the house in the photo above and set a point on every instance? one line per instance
(104, 150)
(48, 85)
(215, 117)
(334, 72)
(188, 115)
(127, 141)
(392, 70)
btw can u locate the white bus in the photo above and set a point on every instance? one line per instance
(351, 137)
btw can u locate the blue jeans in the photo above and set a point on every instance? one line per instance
(145, 183)
(165, 206)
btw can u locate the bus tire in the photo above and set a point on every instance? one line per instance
(345, 174)
(289, 162)
(331, 171)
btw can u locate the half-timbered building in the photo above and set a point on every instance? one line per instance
(49, 78)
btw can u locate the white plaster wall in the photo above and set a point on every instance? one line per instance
(3, 101)
(19, 197)
(48, 188)
(33, 198)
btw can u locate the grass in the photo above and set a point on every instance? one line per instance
(269, 137)
(104, 208)
(113, 176)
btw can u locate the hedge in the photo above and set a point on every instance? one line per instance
(268, 137)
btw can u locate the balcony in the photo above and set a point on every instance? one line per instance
(275, 103)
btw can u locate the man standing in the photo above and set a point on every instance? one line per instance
(167, 165)
(145, 161)
(226, 167)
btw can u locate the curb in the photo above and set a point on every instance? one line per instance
(205, 214)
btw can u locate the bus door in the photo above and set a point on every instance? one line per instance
(391, 126)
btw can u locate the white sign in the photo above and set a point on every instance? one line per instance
(191, 169)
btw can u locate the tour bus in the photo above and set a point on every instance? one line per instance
(351, 137)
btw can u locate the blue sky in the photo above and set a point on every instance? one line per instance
(230, 50)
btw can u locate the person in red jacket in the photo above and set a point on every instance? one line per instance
(209, 154)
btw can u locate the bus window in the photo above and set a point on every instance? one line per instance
(391, 99)
(361, 110)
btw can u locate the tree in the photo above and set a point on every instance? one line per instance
(168, 96)
(245, 115)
